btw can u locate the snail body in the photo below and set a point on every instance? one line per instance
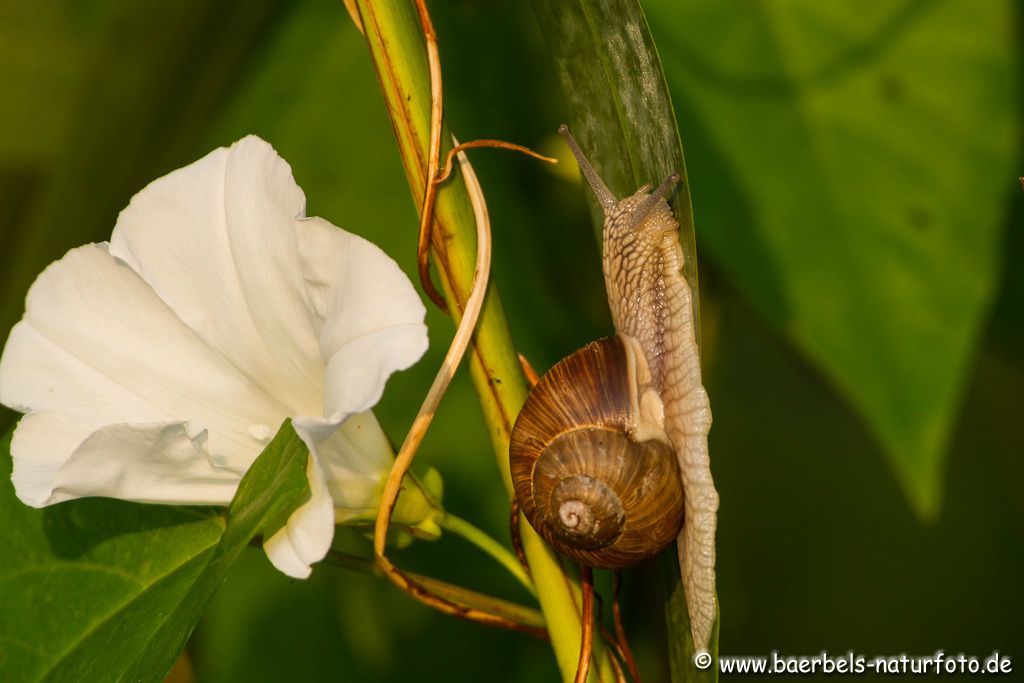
(611, 501)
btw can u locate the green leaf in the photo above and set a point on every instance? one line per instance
(100, 589)
(623, 118)
(854, 185)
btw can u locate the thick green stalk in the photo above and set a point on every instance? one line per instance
(397, 45)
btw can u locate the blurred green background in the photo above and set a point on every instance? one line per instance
(859, 223)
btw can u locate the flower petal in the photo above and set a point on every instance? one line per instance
(40, 446)
(38, 374)
(373, 322)
(154, 463)
(358, 370)
(355, 460)
(227, 221)
(307, 536)
(99, 346)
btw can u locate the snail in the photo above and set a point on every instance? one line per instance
(609, 455)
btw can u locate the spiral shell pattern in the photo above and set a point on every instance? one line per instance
(582, 482)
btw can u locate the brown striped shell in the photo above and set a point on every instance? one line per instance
(582, 481)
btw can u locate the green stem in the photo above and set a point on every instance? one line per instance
(486, 543)
(398, 49)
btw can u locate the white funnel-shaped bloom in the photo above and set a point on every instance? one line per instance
(157, 366)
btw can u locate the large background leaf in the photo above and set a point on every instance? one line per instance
(99, 589)
(867, 154)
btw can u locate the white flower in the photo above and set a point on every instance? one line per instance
(157, 366)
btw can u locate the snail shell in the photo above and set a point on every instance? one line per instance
(591, 464)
